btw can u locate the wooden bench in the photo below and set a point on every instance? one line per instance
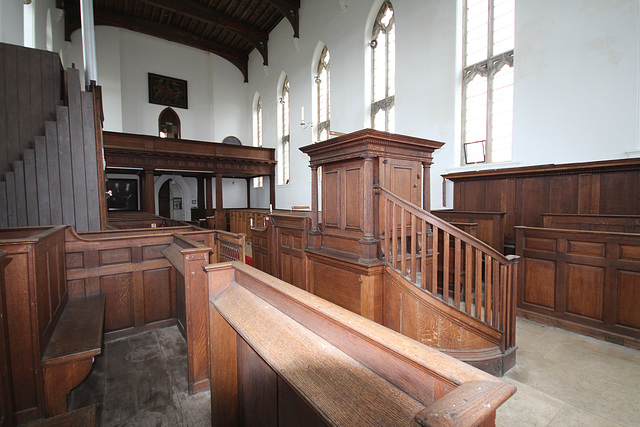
(67, 360)
(281, 356)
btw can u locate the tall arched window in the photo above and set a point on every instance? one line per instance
(383, 69)
(257, 141)
(285, 146)
(487, 80)
(323, 85)
(169, 124)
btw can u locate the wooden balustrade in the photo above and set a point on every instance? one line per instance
(460, 269)
(282, 356)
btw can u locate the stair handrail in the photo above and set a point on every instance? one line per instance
(483, 281)
(444, 225)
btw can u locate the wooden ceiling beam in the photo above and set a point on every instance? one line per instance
(290, 9)
(240, 60)
(257, 38)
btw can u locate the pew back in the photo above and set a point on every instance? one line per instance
(593, 222)
(281, 356)
(584, 281)
(36, 294)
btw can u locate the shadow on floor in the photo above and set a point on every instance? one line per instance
(142, 381)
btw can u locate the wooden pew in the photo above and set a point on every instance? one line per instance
(6, 397)
(76, 340)
(281, 356)
(583, 281)
(490, 225)
(188, 257)
(593, 222)
(52, 338)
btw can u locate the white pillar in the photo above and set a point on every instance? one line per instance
(88, 42)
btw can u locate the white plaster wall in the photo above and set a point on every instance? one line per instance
(576, 80)
(11, 22)
(576, 95)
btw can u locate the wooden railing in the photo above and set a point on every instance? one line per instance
(229, 246)
(440, 258)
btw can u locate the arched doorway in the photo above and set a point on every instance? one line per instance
(169, 124)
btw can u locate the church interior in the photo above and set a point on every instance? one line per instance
(286, 212)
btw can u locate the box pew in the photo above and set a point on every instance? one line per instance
(128, 267)
(6, 397)
(281, 356)
(593, 222)
(584, 281)
(52, 337)
(188, 257)
(490, 225)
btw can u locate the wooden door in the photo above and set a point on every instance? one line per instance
(164, 201)
(403, 178)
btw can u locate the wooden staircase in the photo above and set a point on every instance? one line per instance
(50, 143)
(459, 280)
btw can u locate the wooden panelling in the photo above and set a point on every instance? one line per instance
(589, 283)
(539, 282)
(36, 294)
(29, 93)
(337, 285)
(119, 312)
(489, 226)
(593, 222)
(628, 313)
(585, 290)
(158, 290)
(259, 386)
(353, 211)
(577, 188)
(345, 370)
(6, 393)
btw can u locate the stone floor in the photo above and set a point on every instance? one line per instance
(563, 379)
(142, 381)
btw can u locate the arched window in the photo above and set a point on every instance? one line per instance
(29, 18)
(285, 146)
(323, 85)
(169, 124)
(487, 80)
(257, 139)
(383, 69)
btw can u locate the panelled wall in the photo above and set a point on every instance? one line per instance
(607, 187)
(51, 170)
(31, 90)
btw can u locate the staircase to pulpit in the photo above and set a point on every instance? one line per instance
(377, 253)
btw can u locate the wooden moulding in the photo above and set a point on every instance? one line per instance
(347, 369)
(188, 257)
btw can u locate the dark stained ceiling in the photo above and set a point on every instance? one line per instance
(228, 28)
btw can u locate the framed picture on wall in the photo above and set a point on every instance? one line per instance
(122, 194)
(168, 91)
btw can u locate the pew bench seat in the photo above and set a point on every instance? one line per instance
(68, 358)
